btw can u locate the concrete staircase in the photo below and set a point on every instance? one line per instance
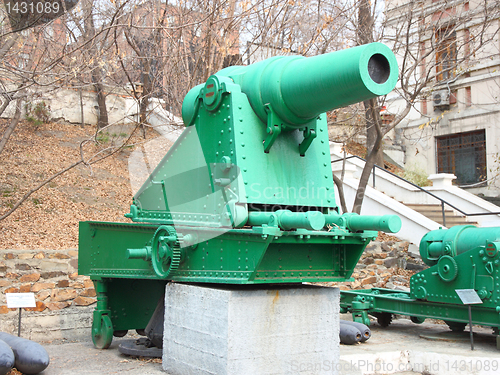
(418, 208)
(434, 212)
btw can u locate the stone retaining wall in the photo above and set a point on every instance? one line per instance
(64, 299)
(384, 265)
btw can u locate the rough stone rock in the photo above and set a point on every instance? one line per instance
(61, 295)
(41, 286)
(5, 310)
(390, 262)
(415, 267)
(12, 275)
(12, 290)
(63, 283)
(84, 301)
(59, 256)
(4, 283)
(369, 280)
(43, 295)
(52, 274)
(52, 265)
(26, 288)
(54, 306)
(373, 247)
(31, 277)
(380, 255)
(368, 260)
(394, 253)
(355, 284)
(25, 256)
(9, 256)
(23, 267)
(88, 293)
(385, 246)
(40, 255)
(399, 279)
(40, 306)
(402, 262)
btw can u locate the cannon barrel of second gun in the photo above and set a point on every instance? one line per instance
(455, 241)
(298, 89)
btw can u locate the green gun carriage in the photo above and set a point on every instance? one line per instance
(460, 258)
(245, 195)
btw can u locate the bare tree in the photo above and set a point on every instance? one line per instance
(447, 56)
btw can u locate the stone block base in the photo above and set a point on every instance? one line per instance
(235, 330)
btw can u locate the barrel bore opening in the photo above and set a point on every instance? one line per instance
(378, 68)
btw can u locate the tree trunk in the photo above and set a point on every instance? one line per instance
(147, 91)
(372, 115)
(12, 125)
(340, 188)
(102, 117)
(365, 175)
(372, 133)
(82, 118)
(96, 76)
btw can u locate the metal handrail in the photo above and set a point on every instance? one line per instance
(443, 202)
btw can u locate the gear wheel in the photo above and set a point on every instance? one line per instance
(166, 252)
(447, 268)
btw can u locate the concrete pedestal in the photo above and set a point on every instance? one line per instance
(244, 330)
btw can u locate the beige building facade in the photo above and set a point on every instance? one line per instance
(454, 123)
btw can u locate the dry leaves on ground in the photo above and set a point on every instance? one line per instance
(49, 218)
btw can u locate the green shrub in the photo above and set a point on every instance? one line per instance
(417, 175)
(37, 113)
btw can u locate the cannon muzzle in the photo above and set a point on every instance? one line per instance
(298, 89)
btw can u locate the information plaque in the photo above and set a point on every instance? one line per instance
(20, 300)
(468, 296)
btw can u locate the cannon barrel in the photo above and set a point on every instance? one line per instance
(298, 89)
(348, 334)
(455, 241)
(366, 333)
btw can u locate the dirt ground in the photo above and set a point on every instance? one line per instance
(49, 218)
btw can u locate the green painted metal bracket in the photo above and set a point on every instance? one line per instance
(309, 135)
(274, 125)
(162, 183)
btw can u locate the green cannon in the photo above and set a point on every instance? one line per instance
(460, 258)
(246, 194)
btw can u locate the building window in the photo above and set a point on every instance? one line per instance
(446, 54)
(464, 155)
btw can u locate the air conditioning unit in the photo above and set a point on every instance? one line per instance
(441, 98)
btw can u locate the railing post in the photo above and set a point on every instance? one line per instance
(444, 216)
(373, 171)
